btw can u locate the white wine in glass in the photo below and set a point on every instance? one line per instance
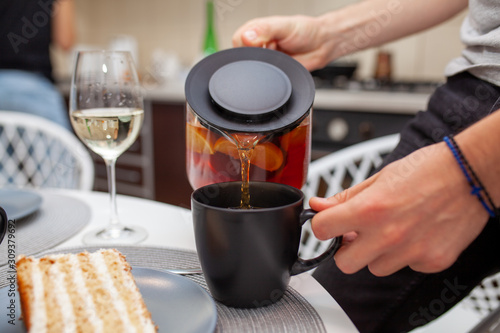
(106, 112)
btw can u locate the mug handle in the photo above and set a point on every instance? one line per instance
(303, 265)
(3, 224)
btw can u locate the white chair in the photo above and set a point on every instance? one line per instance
(338, 171)
(485, 298)
(35, 152)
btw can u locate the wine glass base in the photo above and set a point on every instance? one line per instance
(116, 235)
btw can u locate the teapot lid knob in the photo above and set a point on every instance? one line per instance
(250, 89)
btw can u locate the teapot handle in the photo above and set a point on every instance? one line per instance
(303, 265)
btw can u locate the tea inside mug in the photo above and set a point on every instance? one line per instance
(262, 196)
(246, 207)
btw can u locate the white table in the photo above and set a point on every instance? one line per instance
(171, 226)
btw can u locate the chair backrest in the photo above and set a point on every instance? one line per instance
(35, 152)
(338, 171)
(485, 297)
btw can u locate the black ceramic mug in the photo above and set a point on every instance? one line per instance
(3, 224)
(248, 255)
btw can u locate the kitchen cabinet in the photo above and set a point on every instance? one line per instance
(334, 129)
(342, 118)
(134, 168)
(169, 151)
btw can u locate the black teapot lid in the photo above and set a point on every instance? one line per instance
(250, 89)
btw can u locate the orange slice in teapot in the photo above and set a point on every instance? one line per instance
(266, 155)
(295, 137)
(198, 140)
(227, 147)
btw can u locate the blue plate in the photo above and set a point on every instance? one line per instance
(176, 303)
(19, 203)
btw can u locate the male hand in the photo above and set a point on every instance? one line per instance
(301, 37)
(417, 212)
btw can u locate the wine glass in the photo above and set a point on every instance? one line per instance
(106, 112)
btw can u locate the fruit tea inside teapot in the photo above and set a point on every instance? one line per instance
(248, 117)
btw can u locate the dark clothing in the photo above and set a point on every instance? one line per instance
(25, 35)
(407, 299)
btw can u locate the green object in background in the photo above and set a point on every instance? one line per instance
(210, 44)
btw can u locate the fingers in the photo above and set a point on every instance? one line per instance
(263, 32)
(252, 34)
(424, 259)
(382, 257)
(387, 264)
(271, 45)
(251, 37)
(352, 257)
(352, 213)
(355, 255)
(335, 221)
(339, 214)
(320, 204)
(295, 36)
(349, 237)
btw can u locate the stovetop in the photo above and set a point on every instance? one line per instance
(342, 83)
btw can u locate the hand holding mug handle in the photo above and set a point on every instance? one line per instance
(303, 265)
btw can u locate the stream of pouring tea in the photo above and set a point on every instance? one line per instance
(245, 157)
(246, 145)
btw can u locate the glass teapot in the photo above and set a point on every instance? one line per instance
(248, 115)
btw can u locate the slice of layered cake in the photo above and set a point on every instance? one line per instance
(84, 292)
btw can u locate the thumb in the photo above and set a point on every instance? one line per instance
(319, 204)
(260, 32)
(251, 37)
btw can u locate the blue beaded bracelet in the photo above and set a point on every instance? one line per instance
(478, 189)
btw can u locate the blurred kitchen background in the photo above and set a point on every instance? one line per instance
(166, 38)
(176, 27)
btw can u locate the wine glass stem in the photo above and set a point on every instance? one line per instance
(110, 170)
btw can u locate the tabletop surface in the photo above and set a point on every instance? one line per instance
(171, 226)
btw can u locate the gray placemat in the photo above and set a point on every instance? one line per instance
(291, 314)
(58, 219)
